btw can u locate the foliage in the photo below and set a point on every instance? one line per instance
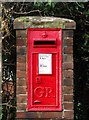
(77, 11)
(0, 112)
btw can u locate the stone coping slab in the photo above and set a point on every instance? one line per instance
(43, 22)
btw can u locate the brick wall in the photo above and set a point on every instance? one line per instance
(68, 105)
(21, 70)
(67, 72)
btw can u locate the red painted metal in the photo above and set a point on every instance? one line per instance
(44, 69)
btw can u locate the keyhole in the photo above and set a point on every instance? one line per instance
(38, 80)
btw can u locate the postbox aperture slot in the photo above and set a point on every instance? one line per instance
(44, 43)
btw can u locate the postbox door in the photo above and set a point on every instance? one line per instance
(44, 86)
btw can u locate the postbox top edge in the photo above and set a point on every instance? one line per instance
(43, 22)
(42, 29)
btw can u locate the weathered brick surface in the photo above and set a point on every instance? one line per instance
(68, 50)
(68, 106)
(21, 50)
(21, 89)
(68, 97)
(21, 34)
(21, 41)
(67, 33)
(21, 74)
(68, 81)
(68, 41)
(67, 75)
(68, 65)
(69, 114)
(27, 115)
(68, 58)
(68, 90)
(41, 115)
(21, 82)
(51, 115)
(22, 98)
(21, 106)
(72, 25)
(21, 66)
(21, 59)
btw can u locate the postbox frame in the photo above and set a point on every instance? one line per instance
(59, 108)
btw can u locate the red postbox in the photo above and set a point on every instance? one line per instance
(44, 69)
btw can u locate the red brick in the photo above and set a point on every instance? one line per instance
(21, 59)
(68, 58)
(68, 90)
(21, 82)
(21, 34)
(68, 81)
(67, 33)
(69, 114)
(68, 73)
(25, 115)
(21, 50)
(21, 66)
(21, 90)
(70, 25)
(21, 74)
(51, 115)
(68, 65)
(22, 98)
(68, 98)
(68, 106)
(69, 41)
(68, 50)
(21, 42)
(21, 106)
